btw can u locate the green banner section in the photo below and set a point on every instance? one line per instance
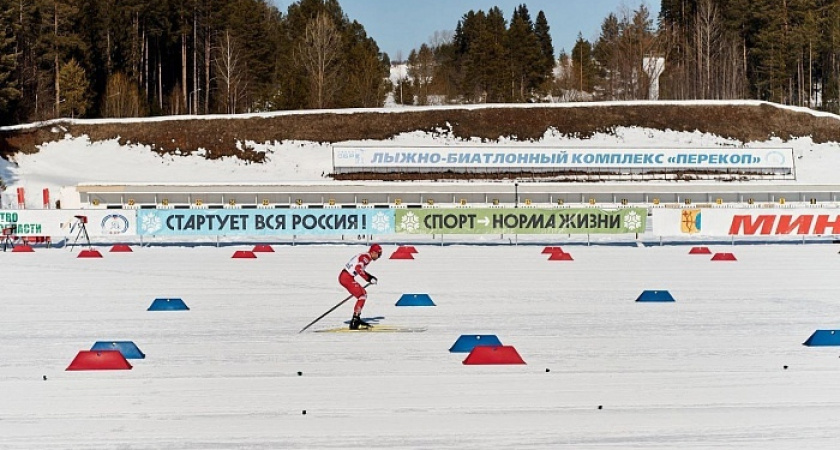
(520, 221)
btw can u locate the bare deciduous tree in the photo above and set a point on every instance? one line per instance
(319, 53)
(440, 37)
(122, 99)
(174, 101)
(634, 43)
(705, 59)
(707, 36)
(230, 74)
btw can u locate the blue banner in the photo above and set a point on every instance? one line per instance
(259, 222)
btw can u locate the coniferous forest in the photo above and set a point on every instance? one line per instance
(134, 58)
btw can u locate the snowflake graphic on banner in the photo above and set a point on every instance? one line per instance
(150, 223)
(381, 222)
(410, 222)
(632, 221)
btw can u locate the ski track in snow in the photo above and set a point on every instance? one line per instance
(706, 371)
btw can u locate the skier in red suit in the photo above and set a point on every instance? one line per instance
(356, 268)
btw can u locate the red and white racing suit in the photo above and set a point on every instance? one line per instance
(356, 268)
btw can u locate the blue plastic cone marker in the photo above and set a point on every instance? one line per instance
(168, 304)
(823, 338)
(128, 349)
(655, 296)
(415, 300)
(466, 342)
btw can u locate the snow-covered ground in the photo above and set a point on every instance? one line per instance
(75, 160)
(721, 367)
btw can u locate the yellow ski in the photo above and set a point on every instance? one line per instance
(373, 329)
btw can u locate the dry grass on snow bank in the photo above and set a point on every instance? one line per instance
(219, 137)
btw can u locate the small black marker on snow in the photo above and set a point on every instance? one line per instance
(304, 412)
(300, 373)
(600, 406)
(547, 369)
(45, 378)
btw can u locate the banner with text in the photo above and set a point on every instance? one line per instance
(474, 157)
(67, 222)
(778, 222)
(520, 221)
(241, 222)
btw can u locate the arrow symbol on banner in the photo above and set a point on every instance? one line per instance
(485, 221)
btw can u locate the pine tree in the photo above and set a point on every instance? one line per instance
(74, 92)
(677, 12)
(58, 41)
(145, 49)
(804, 35)
(496, 74)
(364, 68)
(605, 55)
(421, 69)
(404, 92)
(583, 65)
(94, 23)
(542, 30)
(772, 50)
(485, 63)
(526, 57)
(9, 91)
(255, 26)
(447, 71)
(829, 56)
(470, 54)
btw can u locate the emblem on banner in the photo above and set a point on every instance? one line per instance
(150, 223)
(775, 157)
(114, 224)
(410, 222)
(381, 222)
(632, 221)
(690, 221)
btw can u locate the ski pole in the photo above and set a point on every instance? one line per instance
(329, 311)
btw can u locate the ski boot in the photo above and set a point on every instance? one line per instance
(356, 322)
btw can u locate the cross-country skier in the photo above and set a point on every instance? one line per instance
(356, 268)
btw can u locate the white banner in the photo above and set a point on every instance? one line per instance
(67, 222)
(779, 160)
(777, 222)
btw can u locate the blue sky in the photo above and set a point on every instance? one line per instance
(401, 25)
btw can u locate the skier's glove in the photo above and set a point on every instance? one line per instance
(372, 279)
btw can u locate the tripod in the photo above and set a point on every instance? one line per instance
(9, 237)
(81, 221)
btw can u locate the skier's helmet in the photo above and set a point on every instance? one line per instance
(375, 248)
